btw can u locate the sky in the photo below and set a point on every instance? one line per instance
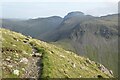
(25, 9)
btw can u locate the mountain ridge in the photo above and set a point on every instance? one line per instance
(89, 36)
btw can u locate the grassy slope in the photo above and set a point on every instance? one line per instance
(109, 59)
(99, 48)
(56, 62)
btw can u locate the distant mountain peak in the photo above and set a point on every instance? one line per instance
(76, 13)
(73, 14)
(51, 17)
(55, 17)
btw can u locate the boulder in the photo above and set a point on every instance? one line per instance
(111, 72)
(16, 72)
(103, 69)
(88, 61)
(15, 39)
(62, 56)
(37, 55)
(24, 60)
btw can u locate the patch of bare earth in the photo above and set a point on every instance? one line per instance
(33, 68)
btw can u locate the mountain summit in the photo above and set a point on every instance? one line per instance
(74, 14)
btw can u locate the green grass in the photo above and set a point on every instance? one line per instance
(64, 44)
(57, 66)
(104, 54)
(56, 62)
(19, 50)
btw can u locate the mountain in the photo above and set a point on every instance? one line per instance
(66, 26)
(33, 27)
(25, 57)
(93, 37)
(86, 35)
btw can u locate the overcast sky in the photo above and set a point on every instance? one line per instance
(25, 9)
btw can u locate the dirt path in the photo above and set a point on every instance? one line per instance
(33, 69)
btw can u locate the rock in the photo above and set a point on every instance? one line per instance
(24, 52)
(25, 42)
(67, 51)
(24, 60)
(74, 65)
(8, 59)
(17, 55)
(27, 39)
(99, 76)
(23, 69)
(86, 64)
(88, 61)
(103, 69)
(37, 55)
(3, 67)
(15, 39)
(52, 52)
(62, 56)
(16, 72)
(111, 72)
(10, 66)
(65, 72)
(76, 56)
(83, 67)
(13, 45)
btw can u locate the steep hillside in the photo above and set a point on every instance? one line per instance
(67, 26)
(33, 27)
(24, 57)
(95, 38)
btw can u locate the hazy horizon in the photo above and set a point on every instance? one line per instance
(27, 10)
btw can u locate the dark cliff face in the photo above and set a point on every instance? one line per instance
(101, 41)
(96, 30)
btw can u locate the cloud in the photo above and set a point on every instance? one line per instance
(46, 9)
